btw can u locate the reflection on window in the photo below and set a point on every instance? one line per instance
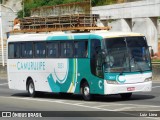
(117, 60)
(52, 50)
(129, 54)
(16, 50)
(67, 49)
(40, 50)
(80, 49)
(27, 51)
(11, 51)
(96, 62)
(139, 54)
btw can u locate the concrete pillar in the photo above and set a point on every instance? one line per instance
(116, 25)
(104, 22)
(121, 25)
(126, 25)
(148, 27)
(129, 23)
(153, 31)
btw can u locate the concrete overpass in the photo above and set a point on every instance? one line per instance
(140, 16)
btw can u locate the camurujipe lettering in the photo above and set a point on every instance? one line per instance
(31, 65)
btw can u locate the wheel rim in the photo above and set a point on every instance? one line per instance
(86, 90)
(31, 88)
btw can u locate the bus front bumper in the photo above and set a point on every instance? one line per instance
(127, 88)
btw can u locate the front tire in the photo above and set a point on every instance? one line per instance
(126, 96)
(86, 91)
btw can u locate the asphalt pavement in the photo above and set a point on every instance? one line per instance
(66, 105)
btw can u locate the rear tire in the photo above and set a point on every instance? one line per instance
(86, 91)
(31, 89)
(126, 96)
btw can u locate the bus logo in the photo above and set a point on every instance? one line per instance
(121, 79)
(100, 84)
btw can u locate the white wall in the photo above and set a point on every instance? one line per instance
(144, 8)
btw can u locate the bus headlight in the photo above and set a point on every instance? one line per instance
(148, 79)
(111, 82)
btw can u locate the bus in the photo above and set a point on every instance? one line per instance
(95, 63)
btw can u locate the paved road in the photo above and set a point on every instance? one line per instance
(13, 100)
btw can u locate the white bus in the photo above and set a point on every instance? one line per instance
(102, 63)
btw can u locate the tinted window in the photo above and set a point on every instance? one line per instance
(136, 42)
(27, 50)
(117, 59)
(95, 47)
(80, 49)
(96, 65)
(40, 50)
(11, 51)
(127, 54)
(16, 47)
(52, 50)
(66, 49)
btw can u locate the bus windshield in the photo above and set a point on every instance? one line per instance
(127, 54)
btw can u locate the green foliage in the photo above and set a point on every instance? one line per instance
(102, 2)
(30, 4)
(156, 60)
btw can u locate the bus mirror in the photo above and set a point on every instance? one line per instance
(103, 53)
(151, 51)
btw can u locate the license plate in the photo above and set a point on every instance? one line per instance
(130, 88)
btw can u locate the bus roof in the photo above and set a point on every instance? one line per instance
(65, 36)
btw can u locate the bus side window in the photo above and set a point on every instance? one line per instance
(81, 49)
(52, 49)
(63, 49)
(17, 50)
(27, 50)
(40, 50)
(67, 49)
(85, 54)
(11, 51)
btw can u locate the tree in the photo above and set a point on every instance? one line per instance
(102, 2)
(30, 4)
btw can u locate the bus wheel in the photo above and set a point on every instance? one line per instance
(31, 89)
(126, 96)
(86, 91)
